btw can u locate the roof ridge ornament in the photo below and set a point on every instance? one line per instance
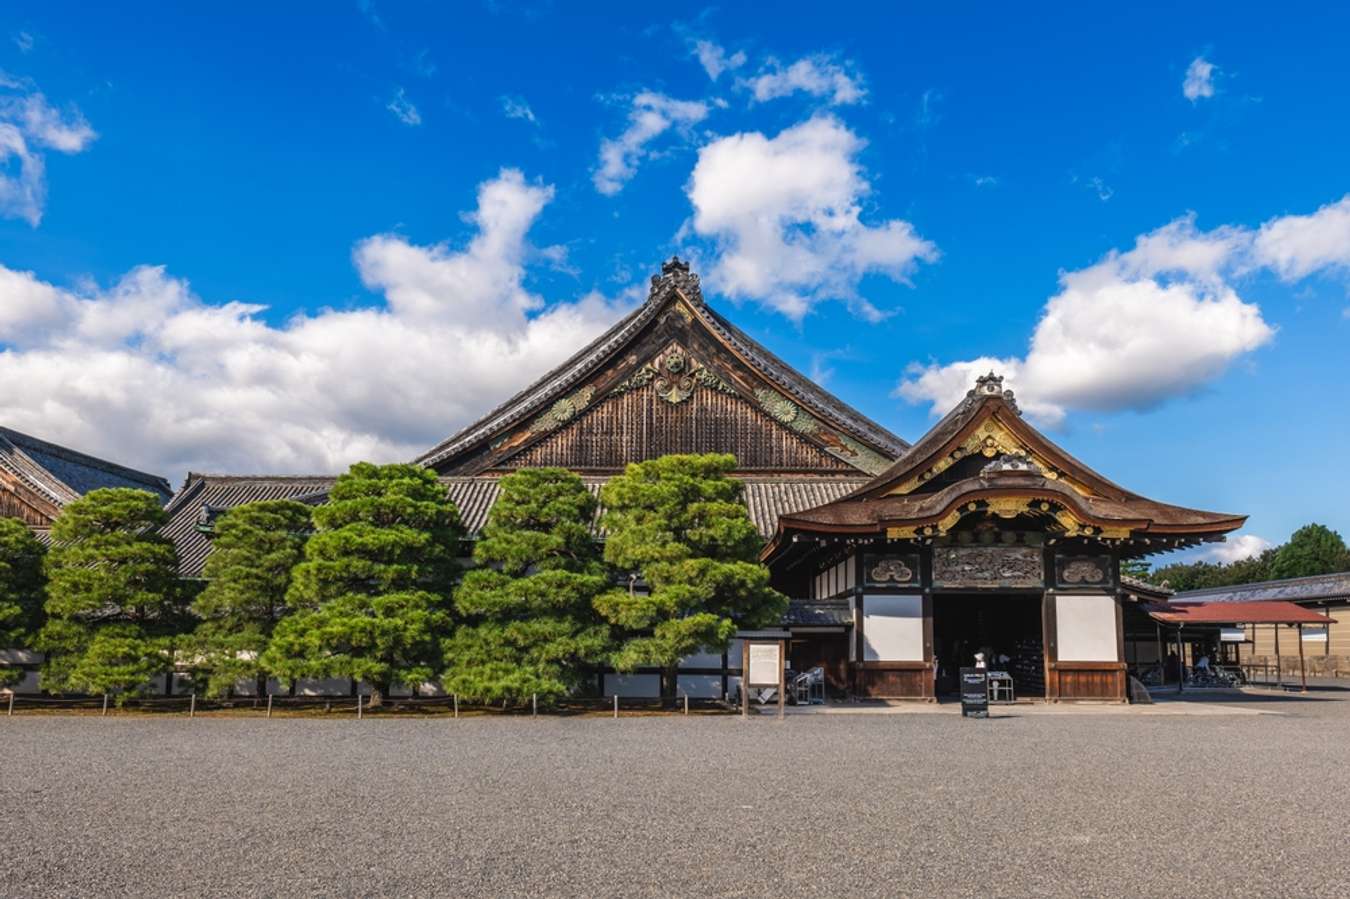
(675, 274)
(992, 385)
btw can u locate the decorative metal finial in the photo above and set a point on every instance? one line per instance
(675, 274)
(992, 385)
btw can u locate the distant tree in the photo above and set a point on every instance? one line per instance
(372, 597)
(254, 550)
(679, 523)
(528, 623)
(1136, 568)
(113, 603)
(1313, 549)
(22, 590)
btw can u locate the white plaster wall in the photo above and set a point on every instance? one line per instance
(1086, 628)
(702, 660)
(635, 685)
(892, 628)
(332, 686)
(735, 653)
(700, 686)
(20, 657)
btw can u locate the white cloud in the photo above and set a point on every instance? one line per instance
(28, 125)
(1295, 246)
(149, 373)
(1129, 332)
(1199, 81)
(817, 75)
(784, 214)
(403, 109)
(517, 108)
(23, 40)
(650, 116)
(1238, 547)
(715, 60)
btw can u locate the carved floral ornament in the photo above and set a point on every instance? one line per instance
(1012, 507)
(841, 446)
(674, 376)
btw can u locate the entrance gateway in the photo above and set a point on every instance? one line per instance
(985, 537)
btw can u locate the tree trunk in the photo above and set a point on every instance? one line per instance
(668, 680)
(378, 692)
(260, 688)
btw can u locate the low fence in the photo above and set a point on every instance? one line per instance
(451, 705)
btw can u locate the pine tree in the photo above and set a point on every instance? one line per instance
(529, 624)
(372, 597)
(1313, 549)
(254, 550)
(22, 590)
(679, 522)
(113, 606)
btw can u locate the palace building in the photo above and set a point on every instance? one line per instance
(901, 560)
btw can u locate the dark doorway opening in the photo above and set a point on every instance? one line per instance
(997, 625)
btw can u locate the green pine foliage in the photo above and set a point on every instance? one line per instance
(679, 522)
(371, 600)
(22, 590)
(529, 625)
(114, 606)
(254, 549)
(1313, 549)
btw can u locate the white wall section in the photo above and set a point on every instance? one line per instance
(1087, 628)
(892, 628)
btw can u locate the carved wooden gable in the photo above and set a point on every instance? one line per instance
(673, 377)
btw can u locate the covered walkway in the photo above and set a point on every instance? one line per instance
(1214, 620)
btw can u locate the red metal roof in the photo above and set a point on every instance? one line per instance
(1262, 612)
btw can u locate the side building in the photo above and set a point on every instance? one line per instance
(37, 480)
(983, 537)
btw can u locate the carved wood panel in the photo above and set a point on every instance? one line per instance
(641, 424)
(988, 566)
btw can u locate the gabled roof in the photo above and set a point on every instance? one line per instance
(983, 457)
(59, 475)
(1314, 588)
(615, 361)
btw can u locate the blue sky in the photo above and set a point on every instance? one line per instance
(281, 241)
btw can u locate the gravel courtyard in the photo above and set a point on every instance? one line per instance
(1081, 804)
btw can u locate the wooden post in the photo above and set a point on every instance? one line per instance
(456, 695)
(686, 703)
(534, 705)
(10, 713)
(616, 706)
(1279, 669)
(358, 705)
(745, 678)
(269, 705)
(105, 706)
(192, 706)
(1162, 660)
(1302, 668)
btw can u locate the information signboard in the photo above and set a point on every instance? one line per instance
(974, 693)
(764, 664)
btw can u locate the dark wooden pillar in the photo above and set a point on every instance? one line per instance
(1302, 666)
(1279, 671)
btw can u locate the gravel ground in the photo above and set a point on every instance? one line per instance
(1080, 804)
